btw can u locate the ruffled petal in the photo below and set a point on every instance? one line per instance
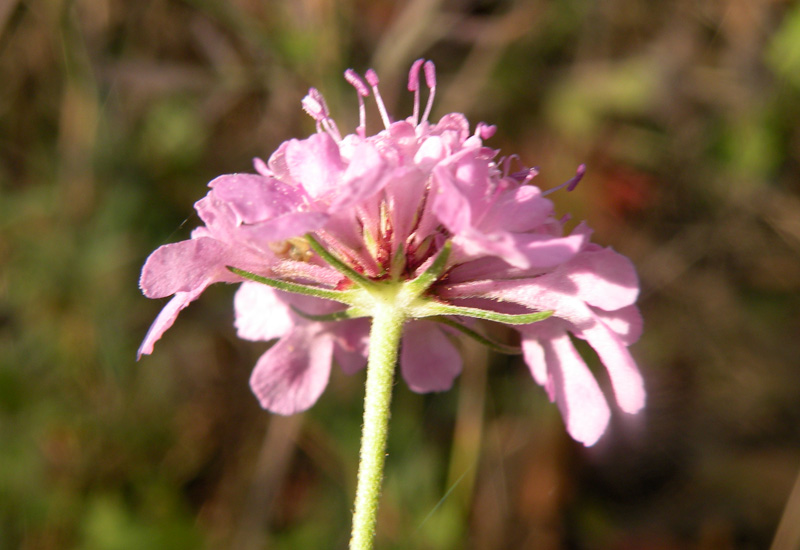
(626, 323)
(535, 358)
(454, 129)
(184, 266)
(571, 384)
(451, 207)
(260, 313)
(255, 198)
(474, 243)
(604, 279)
(540, 252)
(315, 163)
(428, 361)
(622, 370)
(282, 228)
(461, 191)
(519, 210)
(351, 339)
(557, 293)
(363, 177)
(292, 374)
(165, 319)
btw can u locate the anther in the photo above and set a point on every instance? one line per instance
(413, 86)
(355, 81)
(571, 183)
(314, 104)
(485, 131)
(430, 79)
(362, 91)
(373, 81)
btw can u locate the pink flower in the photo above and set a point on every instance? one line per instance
(418, 206)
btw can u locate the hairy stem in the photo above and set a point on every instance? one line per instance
(384, 343)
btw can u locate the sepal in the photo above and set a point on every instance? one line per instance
(342, 296)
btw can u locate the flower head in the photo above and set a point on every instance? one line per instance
(421, 215)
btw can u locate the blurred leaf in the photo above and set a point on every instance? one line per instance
(783, 52)
(578, 103)
(173, 135)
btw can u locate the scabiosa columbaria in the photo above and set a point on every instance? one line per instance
(341, 214)
(344, 245)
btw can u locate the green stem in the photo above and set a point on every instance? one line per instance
(384, 343)
(338, 264)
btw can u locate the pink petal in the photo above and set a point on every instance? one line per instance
(315, 163)
(165, 319)
(292, 374)
(582, 404)
(363, 177)
(519, 210)
(622, 370)
(472, 243)
(535, 358)
(428, 361)
(454, 127)
(281, 228)
(277, 163)
(261, 314)
(430, 152)
(551, 292)
(461, 190)
(604, 279)
(218, 216)
(183, 267)
(452, 207)
(351, 340)
(542, 251)
(255, 198)
(405, 196)
(539, 252)
(626, 323)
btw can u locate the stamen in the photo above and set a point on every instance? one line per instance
(522, 176)
(573, 183)
(329, 125)
(362, 91)
(485, 131)
(430, 80)
(314, 104)
(372, 78)
(313, 108)
(413, 86)
(355, 81)
(526, 175)
(570, 184)
(262, 168)
(506, 162)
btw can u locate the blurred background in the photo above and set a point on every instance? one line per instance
(113, 117)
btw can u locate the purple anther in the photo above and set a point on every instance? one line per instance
(430, 74)
(573, 183)
(413, 75)
(355, 81)
(373, 81)
(485, 131)
(430, 80)
(312, 105)
(569, 184)
(526, 175)
(262, 168)
(372, 78)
